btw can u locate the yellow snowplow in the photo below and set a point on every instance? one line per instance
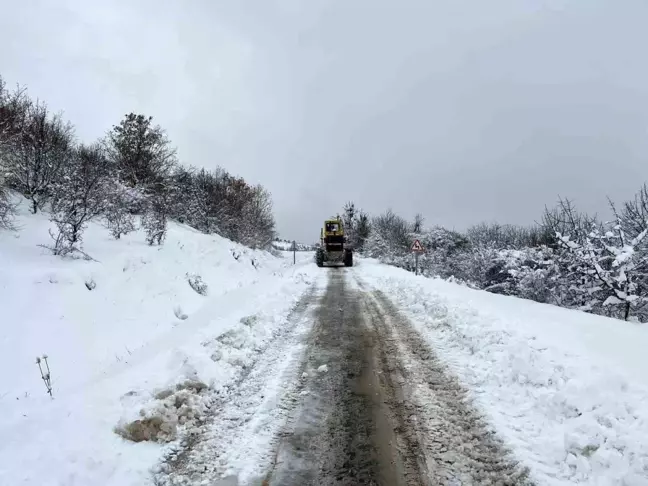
(333, 246)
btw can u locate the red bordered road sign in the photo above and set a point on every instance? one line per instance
(417, 247)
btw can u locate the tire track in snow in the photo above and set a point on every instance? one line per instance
(458, 445)
(382, 411)
(386, 411)
(343, 431)
(247, 415)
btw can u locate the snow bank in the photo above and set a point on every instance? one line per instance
(566, 390)
(118, 331)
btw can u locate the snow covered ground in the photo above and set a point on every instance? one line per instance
(567, 391)
(128, 338)
(140, 329)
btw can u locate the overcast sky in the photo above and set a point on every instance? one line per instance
(466, 111)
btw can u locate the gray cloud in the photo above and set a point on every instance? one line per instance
(463, 110)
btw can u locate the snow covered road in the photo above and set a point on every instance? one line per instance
(349, 395)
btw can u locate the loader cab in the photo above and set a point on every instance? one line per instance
(332, 227)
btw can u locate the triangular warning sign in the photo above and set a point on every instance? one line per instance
(416, 246)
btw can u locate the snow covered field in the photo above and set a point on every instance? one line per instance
(140, 330)
(567, 391)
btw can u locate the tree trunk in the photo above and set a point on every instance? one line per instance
(627, 311)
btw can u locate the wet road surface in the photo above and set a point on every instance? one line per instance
(385, 412)
(370, 404)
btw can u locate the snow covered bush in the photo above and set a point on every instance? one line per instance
(121, 203)
(155, 225)
(154, 220)
(607, 269)
(119, 221)
(528, 273)
(196, 283)
(443, 252)
(570, 259)
(616, 271)
(389, 240)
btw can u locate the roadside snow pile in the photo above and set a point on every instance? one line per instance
(185, 405)
(566, 390)
(133, 339)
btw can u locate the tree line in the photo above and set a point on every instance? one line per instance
(569, 258)
(131, 174)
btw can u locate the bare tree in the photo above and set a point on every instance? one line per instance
(79, 196)
(13, 110)
(257, 221)
(38, 154)
(634, 214)
(13, 115)
(417, 227)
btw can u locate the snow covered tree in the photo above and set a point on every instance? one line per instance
(233, 194)
(13, 116)
(140, 151)
(634, 214)
(417, 227)
(190, 198)
(257, 221)
(442, 249)
(607, 270)
(362, 230)
(7, 206)
(38, 154)
(119, 201)
(155, 219)
(78, 196)
(378, 247)
(349, 221)
(509, 236)
(394, 229)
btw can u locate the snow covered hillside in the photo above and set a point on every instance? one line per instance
(118, 330)
(566, 390)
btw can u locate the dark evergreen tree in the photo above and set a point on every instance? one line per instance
(140, 151)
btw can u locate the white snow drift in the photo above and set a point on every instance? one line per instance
(567, 391)
(118, 331)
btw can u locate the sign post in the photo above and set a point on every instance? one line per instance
(294, 249)
(417, 249)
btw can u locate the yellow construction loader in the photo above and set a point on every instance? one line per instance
(333, 246)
